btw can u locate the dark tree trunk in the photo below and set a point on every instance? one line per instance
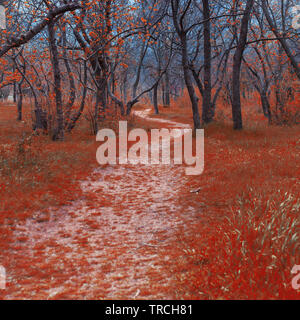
(155, 99)
(139, 70)
(20, 102)
(40, 116)
(168, 100)
(198, 81)
(189, 84)
(15, 89)
(59, 130)
(125, 88)
(207, 114)
(163, 91)
(266, 105)
(237, 63)
(185, 62)
(77, 116)
(100, 69)
(113, 83)
(72, 92)
(103, 98)
(96, 111)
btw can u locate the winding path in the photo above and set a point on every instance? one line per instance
(118, 242)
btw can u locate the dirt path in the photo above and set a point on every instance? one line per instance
(119, 242)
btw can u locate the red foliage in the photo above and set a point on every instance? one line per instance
(139, 232)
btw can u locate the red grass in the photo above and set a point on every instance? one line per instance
(245, 241)
(248, 240)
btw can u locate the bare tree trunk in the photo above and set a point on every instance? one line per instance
(113, 83)
(103, 98)
(15, 91)
(40, 116)
(237, 63)
(139, 69)
(168, 100)
(265, 105)
(117, 101)
(207, 114)
(59, 130)
(189, 84)
(198, 81)
(96, 111)
(77, 116)
(155, 99)
(163, 91)
(72, 92)
(19, 94)
(185, 63)
(20, 101)
(125, 88)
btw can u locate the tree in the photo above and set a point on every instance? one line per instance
(281, 36)
(207, 113)
(61, 54)
(236, 70)
(179, 16)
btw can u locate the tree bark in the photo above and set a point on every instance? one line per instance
(72, 89)
(168, 99)
(77, 115)
(59, 130)
(237, 63)
(155, 99)
(20, 102)
(40, 116)
(185, 62)
(207, 113)
(189, 84)
(265, 105)
(139, 69)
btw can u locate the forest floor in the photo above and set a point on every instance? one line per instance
(73, 230)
